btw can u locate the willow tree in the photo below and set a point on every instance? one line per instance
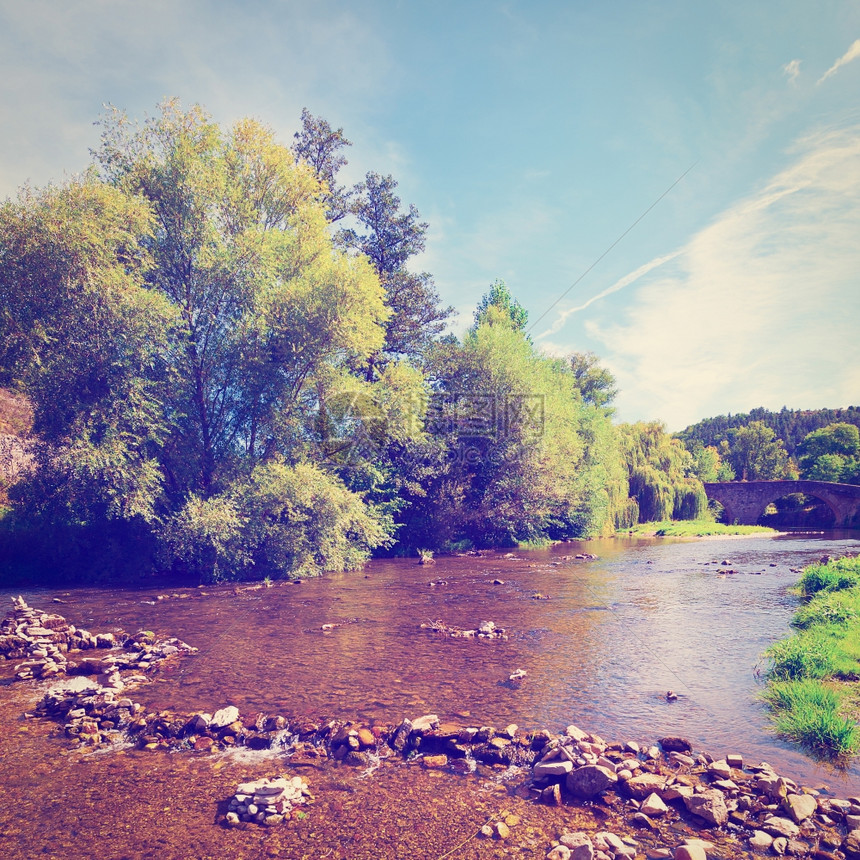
(661, 474)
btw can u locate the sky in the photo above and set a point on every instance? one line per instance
(672, 185)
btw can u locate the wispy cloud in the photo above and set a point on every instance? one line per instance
(851, 54)
(618, 285)
(792, 71)
(761, 306)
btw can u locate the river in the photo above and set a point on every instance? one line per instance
(601, 642)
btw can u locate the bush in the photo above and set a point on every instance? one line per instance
(829, 608)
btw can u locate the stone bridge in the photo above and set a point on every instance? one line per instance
(745, 501)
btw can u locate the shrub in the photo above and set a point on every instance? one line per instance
(830, 576)
(806, 655)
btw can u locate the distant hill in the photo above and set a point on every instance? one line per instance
(790, 425)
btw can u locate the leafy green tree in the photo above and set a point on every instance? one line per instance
(390, 237)
(596, 384)
(708, 465)
(88, 343)
(831, 453)
(181, 321)
(528, 454)
(499, 297)
(755, 454)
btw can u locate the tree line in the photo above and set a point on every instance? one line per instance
(234, 371)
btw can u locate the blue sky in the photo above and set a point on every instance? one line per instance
(531, 136)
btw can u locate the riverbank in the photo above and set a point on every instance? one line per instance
(697, 529)
(814, 675)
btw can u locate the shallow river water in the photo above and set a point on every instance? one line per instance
(611, 638)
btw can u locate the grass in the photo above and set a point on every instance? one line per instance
(693, 528)
(813, 686)
(811, 713)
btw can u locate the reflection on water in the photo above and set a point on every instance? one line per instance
(612, 638)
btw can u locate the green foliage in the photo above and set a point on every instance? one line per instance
(597, 386)
(181, 322)
(499, 297)
(809, 712)
(661, 474)
(757, 455)
(831, 453)
(789, 425)
(830, 576)
(286, 521)
(695, 528)
(811, 654)
(832, 608)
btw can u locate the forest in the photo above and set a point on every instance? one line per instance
(227, 367)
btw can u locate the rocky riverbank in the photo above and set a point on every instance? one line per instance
(663, 799)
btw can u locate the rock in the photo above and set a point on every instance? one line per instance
(556, 768)
(761, 840)
(576, 733)
(686, 760)
(851, 845)
(736, 761)
(434, 761)
(224, 717)
(559, 852)
(425, 724)
(653, 806)
(710, 805)
(501, 830)
(400, 738)
(673, 744)
(779, 846)
(589, 781)
(800, 806)
(233, 819)
(690, 851)
(487, 831)
(777, 826)
(797, 848)
(365, 738)
(641, 786)
(720, 769)
(579, 844)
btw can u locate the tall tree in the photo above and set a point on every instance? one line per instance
(755, 454)
(499, 297)
(596, 384)
(831, 454)
(319, 145)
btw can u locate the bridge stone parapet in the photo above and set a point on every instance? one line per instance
(745, 501)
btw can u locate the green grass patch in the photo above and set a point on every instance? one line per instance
(813, 676)
(693, 528)
(809, 712)
(830, 576)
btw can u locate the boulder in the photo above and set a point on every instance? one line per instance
(644, 784)
(710, 805)
(777, 826)
(556, 768)
(690, 851)
(760, 840)
(851, 845)
(589, 781)
(800, 806)
(673, 744)
(653, 806)
(224, 717)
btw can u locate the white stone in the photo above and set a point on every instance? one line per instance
(224, 717)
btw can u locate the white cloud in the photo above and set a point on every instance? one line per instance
(760, 308)
(618, 285)
(851, 54)
(792, 70)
